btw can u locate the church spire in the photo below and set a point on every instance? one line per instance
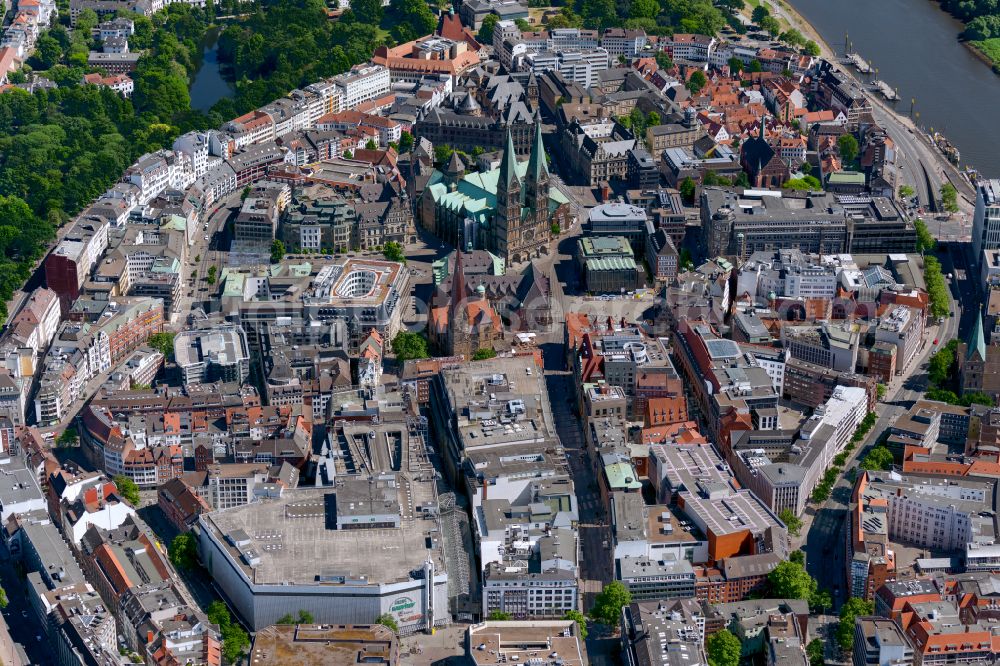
(537, 167)
(977, 345)
(457, 287)
(508, 165)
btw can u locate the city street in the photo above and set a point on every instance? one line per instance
(30, 646)
(195, 290)
(595, 535)
(824, 543)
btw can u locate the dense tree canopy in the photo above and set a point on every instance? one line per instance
(408, 345)
(852, 608)
(723, 649)
(654, 16)
(609, 602)
(848, 147)
(284, 45)
(878, 458)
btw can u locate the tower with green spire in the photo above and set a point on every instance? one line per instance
(977, 345)
(536, 185)
(507, 222)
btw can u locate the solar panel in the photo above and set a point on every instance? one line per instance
(719, 349)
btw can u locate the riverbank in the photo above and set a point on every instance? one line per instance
(939, 169)
(987, 50)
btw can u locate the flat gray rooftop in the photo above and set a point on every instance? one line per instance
(298, 550)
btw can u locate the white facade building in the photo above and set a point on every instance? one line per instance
(362, 84)
(986, 222)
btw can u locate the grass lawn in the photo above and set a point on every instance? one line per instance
(991, 49)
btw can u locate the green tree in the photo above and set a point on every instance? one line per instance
(3, 598)
(789, 580)
(976, 398)
(816, 652)
(770, 25)
(609, 602)
(878, 458)
(485, 34)
(163, 343)
(235, 640)
(755, 66)
(393, 251)
(48, 52)
(925, 241)
(305, 617)
(949, 198)
(183, 551)
(554, 228)
(387, 620)
(371, 145)
(697, 81)
(723, 649)
(368, 11)
(127, 489)
(500, 616)
(409, 19)
(86, 21)
(644, 9)
(277, 251)
(941, 365)
(851, 609)
(812, 48)
(598, 14)
(687, 190)
(161, 92)
(713, 178)
(905, 191)
(405, 142)
(793, 37)
(806, 183)
(791, 521)
(218, 613)
(581, 622)
(735, 65)
(881, 390)
(663, 60)
(820, 601)
(408, 345)
(848, 147)
(937, 290)
(760, 12)
(798, 557)
(484, 354)
(68, 437)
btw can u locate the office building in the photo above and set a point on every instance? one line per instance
(217, 354)
(986, 221)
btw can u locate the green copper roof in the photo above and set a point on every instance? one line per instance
(622, 476)
(536, 163)
(173, 222)
(476, 193)
(978, 342)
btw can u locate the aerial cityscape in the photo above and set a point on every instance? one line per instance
(590, 333)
